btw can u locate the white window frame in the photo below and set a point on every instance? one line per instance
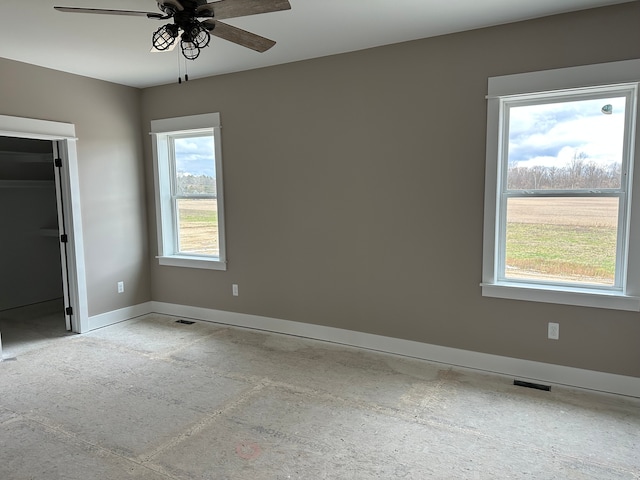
(512, 88)
(162, 131)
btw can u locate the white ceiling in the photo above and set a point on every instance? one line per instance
(116, 48)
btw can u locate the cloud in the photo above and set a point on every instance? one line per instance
(552, 134)
(195, 155)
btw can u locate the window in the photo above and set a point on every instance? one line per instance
(559, 178)
(189, 196)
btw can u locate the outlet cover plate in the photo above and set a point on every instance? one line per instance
(553, 331)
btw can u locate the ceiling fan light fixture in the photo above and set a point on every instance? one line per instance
(199, 35)
(189, 49)
(194, 34)
(164, 37)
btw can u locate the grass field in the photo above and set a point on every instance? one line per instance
(199, 226)
(572, 240)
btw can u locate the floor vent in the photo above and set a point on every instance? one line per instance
(186, 322)
(537, 386)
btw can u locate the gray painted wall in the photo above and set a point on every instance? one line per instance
(354, 191)
(107, 119)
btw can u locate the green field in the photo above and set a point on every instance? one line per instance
(194, 217)
(573, 253)
(199, 226)
(562, 239)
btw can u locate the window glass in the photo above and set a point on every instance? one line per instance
(566, 145)
(195, 165)
(562, 239)
(563, 163)
(198, 226)
(196, 204)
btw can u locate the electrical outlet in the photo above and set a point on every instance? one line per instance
(234, 289)
(120, 287)
(553, 331)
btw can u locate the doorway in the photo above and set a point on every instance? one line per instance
(62, 225)
(32, 289)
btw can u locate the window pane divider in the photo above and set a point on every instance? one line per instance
(562, 193)
(195, 197)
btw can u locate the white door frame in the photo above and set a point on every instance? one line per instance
(64, 137)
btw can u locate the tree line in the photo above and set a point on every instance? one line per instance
(189, 184)
(579, 173)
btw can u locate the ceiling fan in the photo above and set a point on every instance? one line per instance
(195, 20)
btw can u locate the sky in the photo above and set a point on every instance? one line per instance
(195, 156)
(551, 134)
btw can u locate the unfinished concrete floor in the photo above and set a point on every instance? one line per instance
(27, 328)
(154, 399)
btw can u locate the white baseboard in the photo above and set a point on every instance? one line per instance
(117, 316)
(513, 367)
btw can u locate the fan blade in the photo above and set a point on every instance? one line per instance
(239, 36)
(241, 8)
(110, 12)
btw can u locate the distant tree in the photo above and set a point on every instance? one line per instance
(554, 176)
(538, 175)
(579, 173)
(196, 184)
(576, 168)
(613, 176)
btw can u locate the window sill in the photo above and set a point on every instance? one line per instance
(581, 297)
(192, 262)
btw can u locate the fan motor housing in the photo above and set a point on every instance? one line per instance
(170, 7)
(182, 17)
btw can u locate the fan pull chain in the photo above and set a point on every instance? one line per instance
(186, 71)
